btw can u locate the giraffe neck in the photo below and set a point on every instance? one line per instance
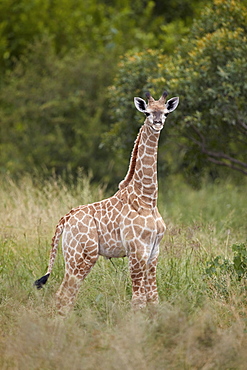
(141, 178)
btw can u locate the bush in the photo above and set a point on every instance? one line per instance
(52, 113)
(207, 72)
(222, 272)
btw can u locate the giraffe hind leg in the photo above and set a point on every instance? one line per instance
(67, 293)
(80, 254)
(70, 286)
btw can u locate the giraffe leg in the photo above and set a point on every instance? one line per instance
(69, 288)
(80, 252)
(67, 293)
(150, 283)
(138, 277)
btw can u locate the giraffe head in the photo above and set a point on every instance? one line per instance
(156, 111)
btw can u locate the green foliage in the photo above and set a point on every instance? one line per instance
(207, 72)
(52, 112)
(57, 59)
(240, 260)
(223, 273)
(219, 263)
(209, 77)
(99, 27)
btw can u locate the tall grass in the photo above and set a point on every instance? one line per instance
(199, 324)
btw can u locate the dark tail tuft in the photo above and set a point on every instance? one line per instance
(40, 282)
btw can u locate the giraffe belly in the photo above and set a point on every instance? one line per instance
(112, 251)
(107, 218)
(110, 244)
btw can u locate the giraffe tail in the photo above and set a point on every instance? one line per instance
(55, 241)
(40, 282)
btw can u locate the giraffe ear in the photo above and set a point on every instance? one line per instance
(140, 104)
(172, 104)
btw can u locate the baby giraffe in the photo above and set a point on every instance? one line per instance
(126, 224)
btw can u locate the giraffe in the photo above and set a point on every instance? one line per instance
(128, 224)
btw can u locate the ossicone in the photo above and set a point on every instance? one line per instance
(165, 94)
(162, 99)
(149, 96)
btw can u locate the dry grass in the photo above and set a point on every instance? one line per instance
(196, 326)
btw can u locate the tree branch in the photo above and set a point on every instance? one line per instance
(219, 158)
(227, 164)
(224, 156)
(242, 127)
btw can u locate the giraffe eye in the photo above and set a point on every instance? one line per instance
(147, 114)
(166, 114)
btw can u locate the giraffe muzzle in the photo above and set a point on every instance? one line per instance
(157, 126)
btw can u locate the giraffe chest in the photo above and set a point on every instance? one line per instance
(142, 227)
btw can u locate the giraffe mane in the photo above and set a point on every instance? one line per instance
(125, 182)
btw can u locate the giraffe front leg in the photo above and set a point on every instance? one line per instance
(138, 277)
(150, 283)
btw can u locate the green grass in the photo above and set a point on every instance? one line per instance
(200, 322)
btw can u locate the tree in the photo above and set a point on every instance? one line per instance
(207, 71)
(96, 26)
(57, 59)
(51, 113)
(209, 75)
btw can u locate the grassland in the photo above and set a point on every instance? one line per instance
(200, 322)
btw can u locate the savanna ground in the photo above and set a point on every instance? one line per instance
(200, 322)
